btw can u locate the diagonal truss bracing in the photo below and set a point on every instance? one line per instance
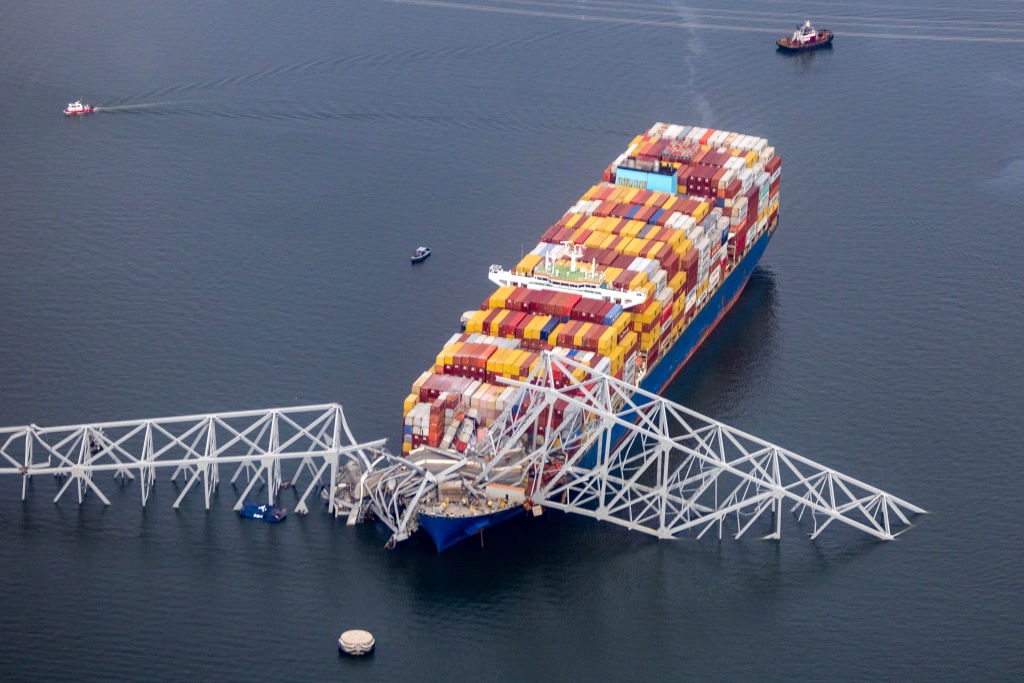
(313, 439)
(599, 447)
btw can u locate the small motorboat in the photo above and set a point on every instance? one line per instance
(421, 254)
(263, 512)
(77, 109)
(806, 38)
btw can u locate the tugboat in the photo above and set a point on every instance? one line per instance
(263, 513)
(806, 38)
(421, 254)
(77, 109)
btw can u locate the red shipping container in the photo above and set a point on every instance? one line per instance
(623, 261)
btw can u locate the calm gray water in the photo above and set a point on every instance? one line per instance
(231, 231)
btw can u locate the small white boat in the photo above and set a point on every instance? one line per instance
(421, 254)
(77, 109)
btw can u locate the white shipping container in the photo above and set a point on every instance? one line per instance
(718, 138)
(746, 177)
(735, 164)
(657, 129)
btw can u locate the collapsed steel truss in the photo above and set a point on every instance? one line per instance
(256, 442)
(599, 447)
(576, 439)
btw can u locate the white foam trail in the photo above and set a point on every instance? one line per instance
(125, 107)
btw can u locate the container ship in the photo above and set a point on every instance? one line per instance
(629, 281)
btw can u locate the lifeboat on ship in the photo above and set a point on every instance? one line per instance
(806, 38)
(77, 109)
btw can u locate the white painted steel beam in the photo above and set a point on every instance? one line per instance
(195, 446)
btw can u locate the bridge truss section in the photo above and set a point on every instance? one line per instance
(599, 447)
(315, 440)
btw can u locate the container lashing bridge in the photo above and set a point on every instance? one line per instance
(593, 446)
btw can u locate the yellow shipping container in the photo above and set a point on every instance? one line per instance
(410, 402)
(591, 192)
(751, 158)
(526, 265)
(595, 239)
(606, 227)
(620, 324)
(677, 281)
(406, 447)
(634, 247)
(632, 228)
(629, 194)
(577, 339)
(609, 274)
(638, 281)
(648, 340)
(495, 360)
(553, 337)
(701, 211)
(498, 362)
(476, 322)
(647, 316)
(574, 219)
(496, 321)
(669, 203)
(606, 343)
(590, 222)
(500, 296)
(515, 359)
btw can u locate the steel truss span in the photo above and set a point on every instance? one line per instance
(593, 445)
(195, 448)
(635, 459)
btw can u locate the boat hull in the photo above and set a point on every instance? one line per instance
(447, 531)
(263, 513)
(784, 46)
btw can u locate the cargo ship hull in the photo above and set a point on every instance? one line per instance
(704, 323)
(447, 531)
(629, 282)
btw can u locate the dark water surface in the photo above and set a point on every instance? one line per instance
(231, 231)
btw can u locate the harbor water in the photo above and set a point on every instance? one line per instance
(231, 230)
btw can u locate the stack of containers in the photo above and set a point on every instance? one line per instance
(676, 247)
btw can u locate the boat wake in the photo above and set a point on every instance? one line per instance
(129, 107)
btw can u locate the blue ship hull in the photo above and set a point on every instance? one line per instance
(662, 374)
(447, 531)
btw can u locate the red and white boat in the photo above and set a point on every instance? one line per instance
(805, 38)
(77, 109)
